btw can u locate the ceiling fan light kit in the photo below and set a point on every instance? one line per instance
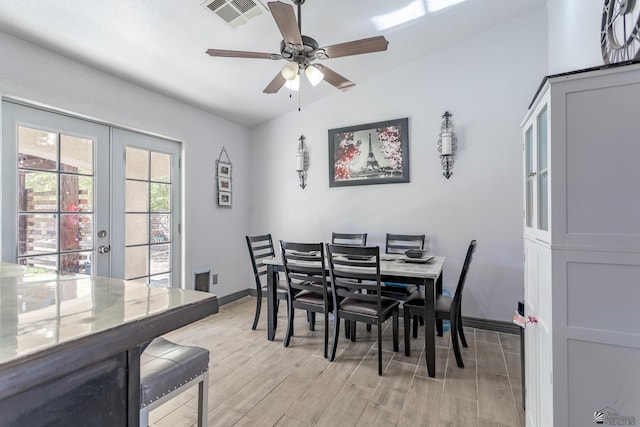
(293, 84)
(314, 75)
(300, 51)
(290, 70)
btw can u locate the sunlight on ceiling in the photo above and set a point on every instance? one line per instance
(408, 13)
(436, 5)
(414, 10)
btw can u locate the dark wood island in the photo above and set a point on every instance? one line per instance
(70, 344)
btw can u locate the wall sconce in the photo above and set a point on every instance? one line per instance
(302, 162)
(447, 144)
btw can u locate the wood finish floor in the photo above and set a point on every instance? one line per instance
(255, 382)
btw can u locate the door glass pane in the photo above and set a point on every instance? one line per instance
(76, 232)
(148, 218)
(137, 197)
(160, 197)
(542, 144)
(37, 233)
(159, 259)
(76, 193)
(160, 228)
(37, 191)
(137, 263)
(76, 155)
(160, 167)
(48, 261)
(137, 229)
(137, 165)
(43, 188)
(37, 149)
(76, 261)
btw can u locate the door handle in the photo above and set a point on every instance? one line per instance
(104, 249)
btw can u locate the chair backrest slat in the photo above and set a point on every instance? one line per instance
(351, 239)
(357, 278)
(305, 268)
(399, 243)
(260, 247)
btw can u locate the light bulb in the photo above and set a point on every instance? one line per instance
(290, 70)
(314, 75)
(447, 141)
(293, 84)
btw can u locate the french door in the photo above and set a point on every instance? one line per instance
(146, 220)
(66, 188)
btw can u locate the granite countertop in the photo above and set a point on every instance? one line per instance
(43, 310)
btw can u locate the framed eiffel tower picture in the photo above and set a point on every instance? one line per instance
(373, 153)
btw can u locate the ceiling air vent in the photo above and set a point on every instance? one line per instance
(235, 12)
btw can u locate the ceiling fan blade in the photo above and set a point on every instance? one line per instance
(355, 47)
(286, 22)
(275, 84)
(334, 78)
(242, 54)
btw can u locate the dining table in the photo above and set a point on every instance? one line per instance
(397, 268)
(70, 344)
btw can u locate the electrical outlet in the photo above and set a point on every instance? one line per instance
(214, 279)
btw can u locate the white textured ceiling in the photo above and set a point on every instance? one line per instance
(161, 44)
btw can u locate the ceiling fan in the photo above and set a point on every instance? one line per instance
(300, 51)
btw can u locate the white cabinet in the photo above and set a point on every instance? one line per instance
(581, 145)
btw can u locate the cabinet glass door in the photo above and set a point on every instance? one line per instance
(529, 175)
(543, 171)
(536, 172)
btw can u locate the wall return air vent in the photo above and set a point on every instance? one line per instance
(235, 12)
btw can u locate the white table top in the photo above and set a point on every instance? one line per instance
(43, 309)
(392, 265)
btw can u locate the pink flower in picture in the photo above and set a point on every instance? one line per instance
(391, 145)
(346, 152)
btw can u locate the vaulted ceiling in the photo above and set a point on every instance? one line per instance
(161, 44)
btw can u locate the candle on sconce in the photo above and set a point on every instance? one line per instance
(300, 162)
(446, 144)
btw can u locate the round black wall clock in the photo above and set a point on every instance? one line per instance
(620, 31)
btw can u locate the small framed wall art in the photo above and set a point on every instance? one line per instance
(223, 176)
(224, 198)
(224, 184)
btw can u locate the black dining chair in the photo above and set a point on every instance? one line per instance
(398, 244)
(356, 292)
(261, 247)
(306, 276)
(447, 308)
(350, 239)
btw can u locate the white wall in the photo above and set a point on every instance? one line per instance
(574, 34)
(213, 237)
(487, 82)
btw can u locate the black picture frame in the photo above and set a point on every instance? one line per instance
(372, 153)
